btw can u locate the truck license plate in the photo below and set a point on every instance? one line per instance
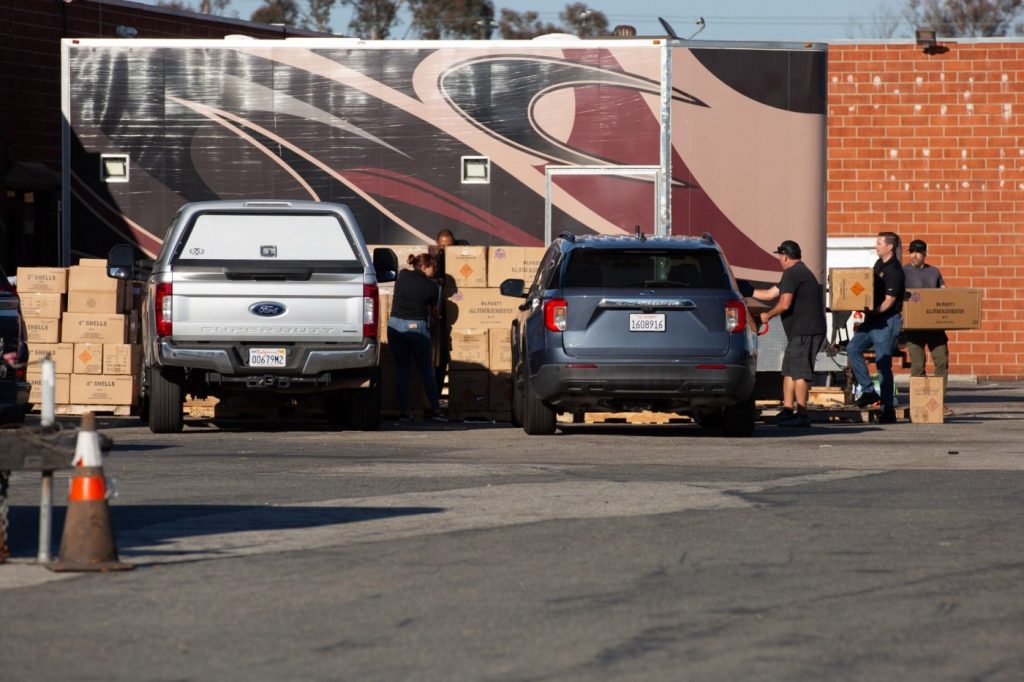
(647, 322)
(267, 357)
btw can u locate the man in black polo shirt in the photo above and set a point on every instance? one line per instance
(881, 326)
(802, 310)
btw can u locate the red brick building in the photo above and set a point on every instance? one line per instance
(931, 146)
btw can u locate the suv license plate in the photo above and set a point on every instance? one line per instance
(267, 357)
(647, 322)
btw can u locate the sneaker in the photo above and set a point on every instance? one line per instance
(784, 414)
(799, 421)
(867, 399)
(887, 417)
(439, 416)
(405, 418)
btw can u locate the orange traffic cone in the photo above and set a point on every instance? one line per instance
(88, 540)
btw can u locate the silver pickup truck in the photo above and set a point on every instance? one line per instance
(260, 296)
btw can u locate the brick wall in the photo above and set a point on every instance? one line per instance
(931, 146)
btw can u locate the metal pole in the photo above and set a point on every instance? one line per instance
(664, 226)
(46, 422)
(45, 517)
(49, 381)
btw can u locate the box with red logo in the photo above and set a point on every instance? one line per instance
(927, 405)
(466, 265)
(851, 288)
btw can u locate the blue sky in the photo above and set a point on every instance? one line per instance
(800, 20)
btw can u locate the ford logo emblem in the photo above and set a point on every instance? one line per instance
(267, 309)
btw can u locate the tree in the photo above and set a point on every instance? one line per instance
(523, 25)
(965, 18)
(881, 22)
(372, 19)
(204, 6)
(583, 21)
(434, 19)
(277, 12)
(319, 15)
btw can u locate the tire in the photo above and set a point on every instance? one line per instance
(334, 408)
(710, 421)
(738, 420)
(362, 408)
(538, 418)
(166, 399)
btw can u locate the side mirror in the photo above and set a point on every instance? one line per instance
(513, 287)
(746, 288)
(385, 263)
(121, 261)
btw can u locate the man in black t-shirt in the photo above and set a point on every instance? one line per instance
(802, 310)
(882, 324)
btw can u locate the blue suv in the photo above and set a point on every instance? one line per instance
(623, 323)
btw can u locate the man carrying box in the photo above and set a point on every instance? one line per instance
(881, 326)
(920, 275)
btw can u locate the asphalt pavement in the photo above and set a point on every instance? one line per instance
(285, 550)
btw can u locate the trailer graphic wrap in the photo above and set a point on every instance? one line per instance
(384, 128)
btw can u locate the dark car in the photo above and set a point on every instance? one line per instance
(618, 323)
(14, 389)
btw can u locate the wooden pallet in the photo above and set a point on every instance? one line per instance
(645, 417)
(824, 414)
(115, 410)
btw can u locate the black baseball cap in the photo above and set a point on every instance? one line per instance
(790, 248)
(919, 246)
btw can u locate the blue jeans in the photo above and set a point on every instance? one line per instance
(880, 333)
(410, 344)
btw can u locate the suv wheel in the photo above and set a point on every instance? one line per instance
(166, 401)
(538, 418)
(738, 420)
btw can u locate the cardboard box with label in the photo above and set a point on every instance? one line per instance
(470, 348)
(482, 309)
(942, 309)
(61, 389)
(88, 358)
(927, 404)
(500, 356)
(851, 288)
(122, 358)
(91, 291)
(42, 330)
(62, 355)
(42, 280)
(89, 328)
(466, 265)
(512, 262)
(100, 389)
(41, 305)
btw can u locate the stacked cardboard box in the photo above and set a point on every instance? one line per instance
(83, 320)
(479, 376)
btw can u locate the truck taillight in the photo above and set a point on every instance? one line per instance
(162, 310)
(555, 313)
(735, 316)
(371, 306)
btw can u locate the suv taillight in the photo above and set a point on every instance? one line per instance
(371, 304)
(735, 316)
(162, 310)
(555, 313)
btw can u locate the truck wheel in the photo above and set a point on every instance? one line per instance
(710, 421)
(166, 400)
(362, 408)
(738, 420)
(538, 418)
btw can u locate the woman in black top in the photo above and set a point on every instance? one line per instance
(416, 295)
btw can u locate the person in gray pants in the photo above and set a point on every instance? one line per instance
(921, 275)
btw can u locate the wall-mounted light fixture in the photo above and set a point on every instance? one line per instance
(114, 167)
(925, 37)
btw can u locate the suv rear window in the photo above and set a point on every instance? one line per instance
(645, 268)
(268, 237)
